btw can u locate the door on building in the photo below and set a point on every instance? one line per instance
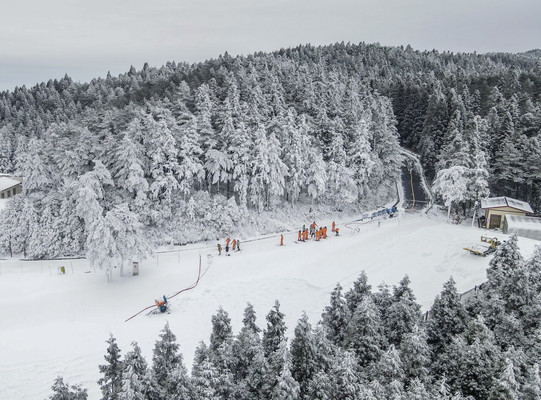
(495, 221)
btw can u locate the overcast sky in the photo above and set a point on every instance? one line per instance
(42, 40)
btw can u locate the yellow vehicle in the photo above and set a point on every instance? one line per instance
(484, 249)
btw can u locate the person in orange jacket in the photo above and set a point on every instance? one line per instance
(233, 245)
(299, 239)
(227, 241)
(306, 234)
(281, 239)
(333, 227)
(324, 232)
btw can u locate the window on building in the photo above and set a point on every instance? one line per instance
(3, 194)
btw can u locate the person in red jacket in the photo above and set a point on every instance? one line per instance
(281, 239)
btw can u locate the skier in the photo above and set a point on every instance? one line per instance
(333, 227)
(227, 249)
(219, 249)
(227, 241)
(281, 239)
(299, 239)
(234, 244)
(336, 230)
(238, 245)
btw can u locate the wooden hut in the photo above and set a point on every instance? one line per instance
(496, 208)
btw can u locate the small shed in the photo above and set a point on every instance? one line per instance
(529, 227)
(496, 208)
(10, 186)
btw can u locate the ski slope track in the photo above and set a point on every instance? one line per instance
(417, 195)
(54, 324)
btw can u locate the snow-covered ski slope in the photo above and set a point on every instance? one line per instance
(53, 324)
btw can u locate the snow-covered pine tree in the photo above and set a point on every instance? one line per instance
(506, 387)
(336, 316)
(345, 379)
(403, 314)
(304, 355)
(507, 275)
(480, 363)
(531, 390)
(418, 391)
(221, 331)
(135, 385)
(365, 333)
(169, 377)
(190, 168)
(448, 317)
(62, 391)
(358, 292)
(246, 349)
(205, 376)
(285, 387)
(111, 381)
(32, 165)
(221, 353)
(416, 356)
(274, 334)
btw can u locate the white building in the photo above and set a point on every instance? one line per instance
(10, 186)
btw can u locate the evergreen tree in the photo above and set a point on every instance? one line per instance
(448, 317)
(205, 376)
(284, 387)
(274, 335)
(416, 356)
(365, 333)
(345, 378)
(134, 376)
(169, 377)
(221, 330)
(111, 382)
(403, 314)
(335, 318)
(532, 387)
(358, 292)
(507, 275)
(62, 391)
(304, 355)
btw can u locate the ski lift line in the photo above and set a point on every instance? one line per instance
(177, 293)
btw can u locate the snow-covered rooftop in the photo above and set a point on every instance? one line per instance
(496, 202)
(7, 182)
(522, 222)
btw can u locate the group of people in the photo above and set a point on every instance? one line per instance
(235, 245)
(315, 232)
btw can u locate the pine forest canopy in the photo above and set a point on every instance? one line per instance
(107, 163)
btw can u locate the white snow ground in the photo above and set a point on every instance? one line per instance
(53, 324)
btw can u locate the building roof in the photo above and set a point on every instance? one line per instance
(7, 183)
(522, 222)
(497, 202)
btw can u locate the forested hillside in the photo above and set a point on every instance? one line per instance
(211, 144)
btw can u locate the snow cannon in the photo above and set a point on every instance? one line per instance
(162, 305)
